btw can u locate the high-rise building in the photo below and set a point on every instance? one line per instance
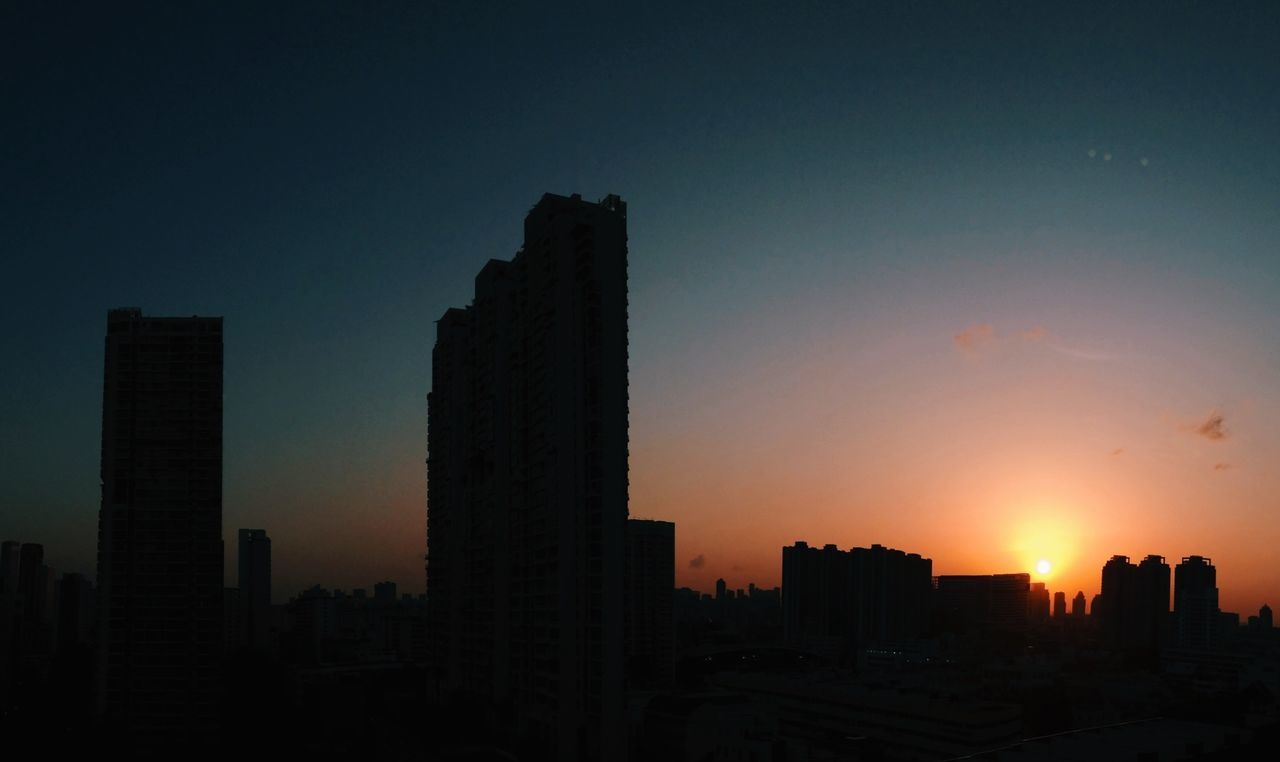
(1077, 605)
(722, 590)
(1038, 601)
(254, 598)
(1152, 599)
(160, 526)
(1135, 603)
(1117, 608)
(33, 584)
(1264, 617)
(816, 590)
(650, 616)
(891, 596)
(983, 602)
(1060, 605)
(10, 562)
(527, 482)
(836, 602)
(75, 612)
(33, 617)
(1195, 604)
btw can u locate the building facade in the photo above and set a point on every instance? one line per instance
(160, 526)
(527, 483)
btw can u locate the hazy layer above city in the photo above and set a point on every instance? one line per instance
(991, 287)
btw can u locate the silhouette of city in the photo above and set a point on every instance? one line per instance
(673, 480)
(552, 627)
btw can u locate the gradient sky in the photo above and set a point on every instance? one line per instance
(991, 285)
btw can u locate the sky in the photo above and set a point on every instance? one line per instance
(993, 283)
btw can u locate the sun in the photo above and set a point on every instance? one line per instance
(1043, 567)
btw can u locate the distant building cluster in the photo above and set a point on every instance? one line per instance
(47, 629)
(835, 601)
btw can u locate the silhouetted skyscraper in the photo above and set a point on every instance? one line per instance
(527, 482)
(34, 616)
(160, 525)
(1195, 606)
(1038, 601)
(1264, 617)
(817, 586)
(722, 590)
(1060, 605)
(33, 584)
(75, 611)
(891, 596)
(1152, 580)
(254, 598)
(1135, 603)
(10, 562)
(1116, 610)
(1077, 605)
(650, 616)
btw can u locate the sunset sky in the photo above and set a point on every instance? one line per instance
(991, 286)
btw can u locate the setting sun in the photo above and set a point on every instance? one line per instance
(1043, 567)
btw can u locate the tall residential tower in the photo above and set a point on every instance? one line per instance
(160, 525)
(254, 597)
(527, 483)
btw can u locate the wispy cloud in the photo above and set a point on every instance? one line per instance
(1118, 451)
(698, 561)
(1222, 466)
(971, 339)
(1213, 428)
(1080, 354)
(983, 337)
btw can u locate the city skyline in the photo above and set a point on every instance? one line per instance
(884, 289)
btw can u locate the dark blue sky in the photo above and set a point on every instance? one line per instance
(330, 177)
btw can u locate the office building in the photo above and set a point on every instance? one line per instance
(527, 483)
(160, 526)
(650, 615)
(254, 598)
(1078, 605)
(1059, 605)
